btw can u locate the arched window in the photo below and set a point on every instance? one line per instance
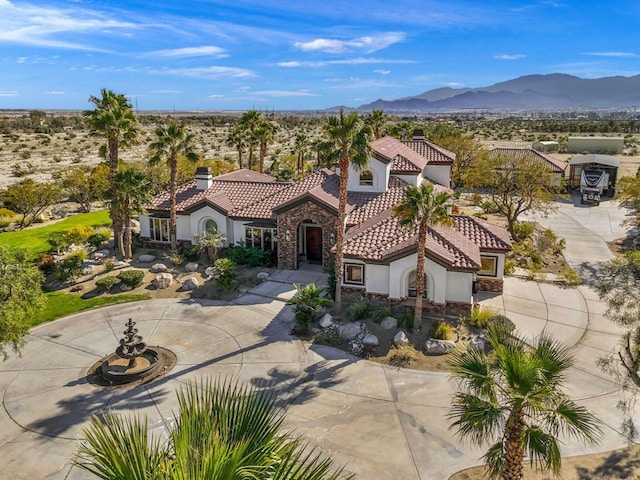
(411, 285)
(366, 178)
(210, 226)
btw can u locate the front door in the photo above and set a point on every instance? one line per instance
(314, 244)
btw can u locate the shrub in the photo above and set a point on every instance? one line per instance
(442, 331)
(176, 259)
(535, 272)
(489, 207)
(523, 230)
(308, 301)
(480, 215)
(70, 267)
(359, 309)
(59, 241)
(248, 256)
(570, 278)
(131, 278)
(98, 237)
(402, 355)
(331, 277)
(46, 263)
(509, 267)
(5, 212)
(502, 323)
(535, 257)
(79, 234)
(546, 240)
(105, 284)
(328, 336)
(109, 265)
(380, 314)
(480, 316)
(226, 275)
(407, 318)
(476, 199)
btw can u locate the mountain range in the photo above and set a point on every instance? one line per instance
(555, 91)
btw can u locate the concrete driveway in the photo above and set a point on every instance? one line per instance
(382, 423)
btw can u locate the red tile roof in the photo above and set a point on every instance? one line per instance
(488, 236)
(393, 150)
(377, 202)
(245, 175)
(556, 165)
(432, 152)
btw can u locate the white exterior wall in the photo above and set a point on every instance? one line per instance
(380, 173)
(439, 173)
(376, 278)
(595, 144)
(499, 266)
(143, 218)
(459, 286)
(436, 278)
(238, 231)
(197, 220)
(183, 228)
(414, 180)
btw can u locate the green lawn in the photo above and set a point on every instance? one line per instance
(35, 239)
(63, 304)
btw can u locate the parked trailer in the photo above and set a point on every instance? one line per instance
(595, 176)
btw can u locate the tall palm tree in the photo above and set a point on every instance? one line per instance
(237, 139)
(264, 134)
(300, 147)
(349, 137)
(251, 121)
(172, 141)
(515, 397)
(422, 207)
(376, 119)
(131, 190)
(114, 117)
(224, 431)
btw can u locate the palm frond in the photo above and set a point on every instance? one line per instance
(476, 419)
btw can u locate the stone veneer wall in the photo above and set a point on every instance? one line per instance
(489, 285)
(290, 220)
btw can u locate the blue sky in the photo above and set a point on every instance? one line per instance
(303, 54)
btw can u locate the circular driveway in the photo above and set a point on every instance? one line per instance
(381, 422)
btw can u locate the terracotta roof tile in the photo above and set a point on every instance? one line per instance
(402, 165)
(432, 152)
(245, 175)
(391, 149)
(377, 202)
(556, 165)
(486, 235)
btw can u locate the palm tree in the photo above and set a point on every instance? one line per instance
(237, 139)
(114, 117)
(264, 135)
(224, 431)
(131, 190)
(251, 121)
(349, 137)
(376, 119)
(300, 147)
(210, 242)
(172, 141)
(515, 397)
(423, 207)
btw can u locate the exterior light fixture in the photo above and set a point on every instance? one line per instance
(332, 237)
(287, 235)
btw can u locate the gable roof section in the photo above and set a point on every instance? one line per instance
(530, 155)
(486, 235)
(402, 158)
(245, 175)
(382, 238)
(377, 203)
(432, 152)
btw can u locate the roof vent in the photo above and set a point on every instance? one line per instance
(418, 134)
(204, 179)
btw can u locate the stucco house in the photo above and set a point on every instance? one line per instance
(298, 221)
(557, 167)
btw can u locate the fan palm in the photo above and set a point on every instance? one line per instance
(264, 134)
(300, 147)
(172, 141)
(349, 137)
(114, 117)
(251, 121)
(237, 139)
(224, 431)
(422, 207)
(514, 397)
(376, 119)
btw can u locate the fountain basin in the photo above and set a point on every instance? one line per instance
(116, 369)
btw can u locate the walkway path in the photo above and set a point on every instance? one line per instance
(383, 423)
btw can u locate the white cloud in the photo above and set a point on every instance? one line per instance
(382, 72)
(289, 64)
(54, 92)
(368, 44)
(209, 73)
(285, 93)
(205, 50)
(347, 61)
(215, 95)
(517, 56)
(612, 54)
(10, 93)
(21, 59)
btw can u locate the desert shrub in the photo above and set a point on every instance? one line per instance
(570, 277)
(476, 199)
(175, 258)
(5, 222)
(226, 274)
(523, 230)
(109, 265)
(502, 323)
(402, 355)
(70, 267)
(509, 267)
(308, 301)
(558, 246)
(407, 318)
(59, 241)
(190, 252)
(79, 234)
(480, 316)
(535, 272)
(46, 263)
(545, 240)
(248, 256)
(442, 331)
(131, 278)
(380, 314)
(489, 207)
(359, 309)
(328, 336)
(535, 257)
(99, 236)
(105, 284)
(480, 215)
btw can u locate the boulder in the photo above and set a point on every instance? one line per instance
(158, 268)
(350, 330)
(400, 339)
(190, 284)
(478, 342)
(262, 276)
(125, 288)
(87, 269)
(191, 267)
(210, 271)
(146, 258)
(162, 280)
(370, 340)
(389, 323)
(326, 321)
(101, 254)
(438, 347)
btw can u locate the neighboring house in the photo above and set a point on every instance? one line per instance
(611, 145)
(546, 146)
(556, 166)
(298, 220)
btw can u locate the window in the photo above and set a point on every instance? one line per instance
(262, 238)
(159, 229)
(489, 266)
(354, 273)
(366, 178)
(210, 226)
(411, 285)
